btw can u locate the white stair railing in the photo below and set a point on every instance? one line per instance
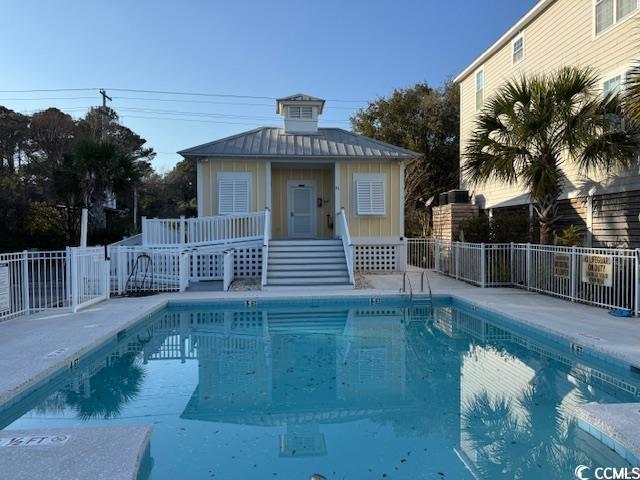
(342, 229)
(265, 245)
(190, 232)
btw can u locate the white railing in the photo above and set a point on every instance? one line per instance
(189, 232)
(89, 275)
(604, 277)
(342, 230)
(265, 245)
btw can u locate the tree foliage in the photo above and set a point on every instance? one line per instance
(426, 120)
(532, 126)
(52, 166)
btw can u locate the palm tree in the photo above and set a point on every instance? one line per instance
(631, 97)
(532, 126)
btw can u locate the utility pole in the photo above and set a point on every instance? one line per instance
(105, 97)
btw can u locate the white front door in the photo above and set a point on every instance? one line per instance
(301, 209)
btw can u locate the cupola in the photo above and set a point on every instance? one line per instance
(300, 112)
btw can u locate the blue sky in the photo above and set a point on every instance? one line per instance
(341, 50)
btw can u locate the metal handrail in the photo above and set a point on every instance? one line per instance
(424, 275)
(405, 279)
(343, 231)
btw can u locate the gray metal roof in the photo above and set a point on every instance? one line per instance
(273, 142)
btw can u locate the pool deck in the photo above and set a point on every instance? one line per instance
(35, 346)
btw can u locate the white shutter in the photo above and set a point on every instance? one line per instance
(370, 193)
(234, 192)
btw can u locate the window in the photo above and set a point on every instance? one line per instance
(234, 192)
(610, 12)
(518, 49)
(612, 85)
(370, 193)
(300, 111)
(479, 88)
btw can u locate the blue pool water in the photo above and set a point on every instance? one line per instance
(350, 390)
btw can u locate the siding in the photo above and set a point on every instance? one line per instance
(323, 177)
(615, 220)
(387, 225)
(210, 169)
(561, 35)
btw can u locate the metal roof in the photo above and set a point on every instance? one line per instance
(273, 142)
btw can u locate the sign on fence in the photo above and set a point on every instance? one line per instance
(562, 265)
(597, 269)
(5, 302)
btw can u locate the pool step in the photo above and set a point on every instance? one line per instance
(307, 263)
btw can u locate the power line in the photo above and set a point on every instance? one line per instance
(255, 124)
(207, 114)
(168, 92)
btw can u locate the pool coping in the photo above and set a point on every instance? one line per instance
(119, 452)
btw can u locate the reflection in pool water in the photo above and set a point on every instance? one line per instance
(348, 391)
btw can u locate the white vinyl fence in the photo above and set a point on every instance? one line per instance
(603, 277)
(34, 281)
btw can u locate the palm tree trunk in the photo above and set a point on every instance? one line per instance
(547, 210)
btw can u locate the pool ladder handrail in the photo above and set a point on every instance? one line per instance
(405, 279)
(424, 275)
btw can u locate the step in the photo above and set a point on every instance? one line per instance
(307, 273)
(309, 281)
(300, 267)
(305, 242)
(305, 254)
(273, 261)
(306, 248)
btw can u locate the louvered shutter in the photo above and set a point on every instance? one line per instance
(233, 193)
(370, 194)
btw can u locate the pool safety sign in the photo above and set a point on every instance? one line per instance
(597, 270)
(562, 265)
(5, 302)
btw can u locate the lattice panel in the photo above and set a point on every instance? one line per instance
(248, 262)
(376, 258)
(206, 266)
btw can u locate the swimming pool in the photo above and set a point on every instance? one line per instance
(351, 389)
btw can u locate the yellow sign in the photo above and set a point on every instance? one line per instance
(597, 269)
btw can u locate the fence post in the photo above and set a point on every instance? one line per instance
(483, 267)
(528, 266)
(456, 258)
(183, 271)
(511, 265)
(107, 278)
(25, 282)
(637, 283)
(574, 273)
(73, 276)
(145, 231)
(182, 230)
(436, 259)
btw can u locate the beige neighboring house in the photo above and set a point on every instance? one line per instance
(305, 175)
(604, 34)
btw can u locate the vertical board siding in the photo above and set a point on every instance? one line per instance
(210, 169)
(323, 178)
(561, 35)
(387, 225)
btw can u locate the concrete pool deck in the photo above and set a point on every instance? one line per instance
(35, 346)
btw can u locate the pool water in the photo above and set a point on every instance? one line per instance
(354, 389)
